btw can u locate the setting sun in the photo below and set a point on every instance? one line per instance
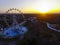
(45, 6)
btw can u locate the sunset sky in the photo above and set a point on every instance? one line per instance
(31, 5)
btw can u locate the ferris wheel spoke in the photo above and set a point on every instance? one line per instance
(14, 20)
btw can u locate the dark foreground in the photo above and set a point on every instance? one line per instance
(38, 33)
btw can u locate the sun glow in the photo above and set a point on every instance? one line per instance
(44, 6)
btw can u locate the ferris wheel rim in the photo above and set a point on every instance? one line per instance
(13, 13)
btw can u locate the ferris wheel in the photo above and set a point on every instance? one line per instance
(15, 28)
(13, 11)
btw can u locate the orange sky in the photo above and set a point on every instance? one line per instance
(38, 11)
